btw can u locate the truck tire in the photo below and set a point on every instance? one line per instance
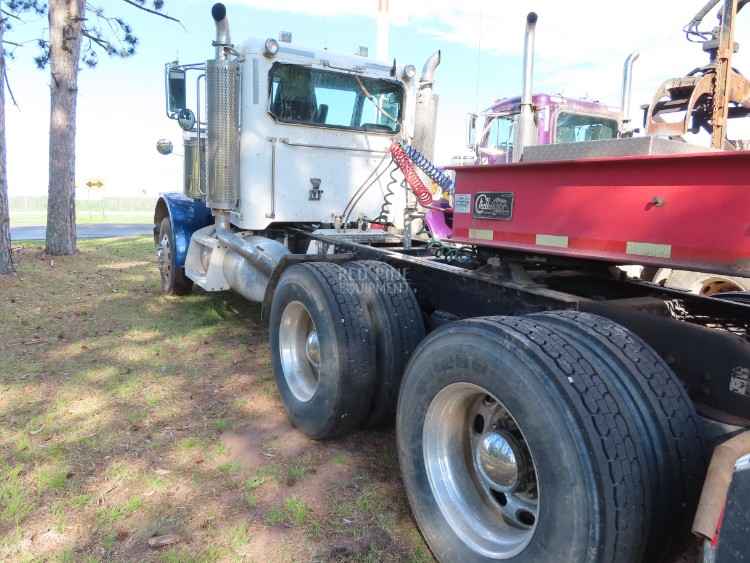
(668, 422)
(514, 448)
(398, 328)
(173, 278)
(323, 350)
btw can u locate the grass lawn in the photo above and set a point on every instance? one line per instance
(129, 420)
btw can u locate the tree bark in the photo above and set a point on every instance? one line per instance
(65, 49)
(6, 257)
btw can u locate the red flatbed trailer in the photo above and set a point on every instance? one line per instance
(685, 211)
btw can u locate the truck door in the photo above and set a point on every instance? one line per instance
(498, 139)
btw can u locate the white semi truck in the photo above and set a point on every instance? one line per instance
(547, 408)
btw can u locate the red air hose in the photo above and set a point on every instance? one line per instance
(403, 161)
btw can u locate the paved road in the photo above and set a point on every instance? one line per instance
(85, 231)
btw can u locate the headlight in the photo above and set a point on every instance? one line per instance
(410, 71)
(271, 48)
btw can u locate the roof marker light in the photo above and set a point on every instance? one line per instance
(410, 71)
(271, 48)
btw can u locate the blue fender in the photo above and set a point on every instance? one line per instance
(186, 215)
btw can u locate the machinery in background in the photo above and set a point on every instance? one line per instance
(709, 96)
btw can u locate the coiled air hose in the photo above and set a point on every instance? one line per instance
(424, 164)
(423, 195)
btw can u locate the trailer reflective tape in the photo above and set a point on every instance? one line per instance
(481, 234)
(649, 249)
(559, 241)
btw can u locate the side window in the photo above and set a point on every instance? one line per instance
(390, 103)
(573, 128)
(500, 134)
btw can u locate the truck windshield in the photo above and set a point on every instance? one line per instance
(334, 99)
(576, 128)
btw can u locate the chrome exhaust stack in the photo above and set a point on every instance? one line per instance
(627, 89)
(427, 106)
(223, 38)
(429, 68)
(527, 127)
(223, 101)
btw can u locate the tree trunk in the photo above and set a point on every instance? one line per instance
(6, 258)
(65, 48)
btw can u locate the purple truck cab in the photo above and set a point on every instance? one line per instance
(557, 119)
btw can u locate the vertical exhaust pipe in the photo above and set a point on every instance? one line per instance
(426, 110)
(223, 123)
(223, 39)
(526, 129)
(627, 88)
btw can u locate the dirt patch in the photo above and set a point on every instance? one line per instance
(138, 427)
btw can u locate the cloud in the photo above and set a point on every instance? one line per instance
(567, 30)
(581, 44)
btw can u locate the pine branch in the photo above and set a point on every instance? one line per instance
(106, 45)
(155, 12)
(10, 90)
(10, 14)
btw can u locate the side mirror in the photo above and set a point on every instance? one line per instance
(176, 90)
(471, 130)
(164, 147)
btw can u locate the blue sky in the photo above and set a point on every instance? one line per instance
(121, 105)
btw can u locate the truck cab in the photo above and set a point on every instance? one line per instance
(298, 131)
(557, 120)
(314, 126)
(278, 136)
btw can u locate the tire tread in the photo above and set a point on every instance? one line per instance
(593, 399)
(404, 319)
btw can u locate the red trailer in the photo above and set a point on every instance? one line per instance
(661, 209)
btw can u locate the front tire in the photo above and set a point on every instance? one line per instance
(558, 439)
(323, 350)
(173, 278)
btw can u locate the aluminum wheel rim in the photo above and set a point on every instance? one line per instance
(492, 512)
(300, 351)
(164, 257)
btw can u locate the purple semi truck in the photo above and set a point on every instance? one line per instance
(510, 124)
(558, 120)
